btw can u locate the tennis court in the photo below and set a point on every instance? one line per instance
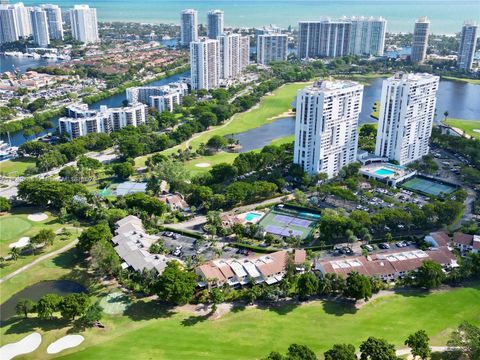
(427, 186)
(288, 222)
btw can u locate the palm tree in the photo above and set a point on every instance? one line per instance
(445, 114)
(14, 254)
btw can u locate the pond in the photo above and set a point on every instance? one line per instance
(35, 292)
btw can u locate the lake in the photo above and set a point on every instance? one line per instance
(446, 16)
(35, 292)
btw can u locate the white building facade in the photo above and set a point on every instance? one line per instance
(468, 44)
(162, 98)
(324, 38)
(367, 35)
(84, 24)
(23, 20)
(81, 121)
(39, 19)
(234, 55)
(8, 24)
(188, 27)
(271, 47)
(326, 125)
(215, 23)
(54, 19)
(407, 110)
(420, 40)
(205, 64)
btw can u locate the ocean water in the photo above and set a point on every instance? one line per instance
(447, 16)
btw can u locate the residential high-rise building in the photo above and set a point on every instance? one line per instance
(468, 43)
(54, 18)
(324, 38)
(420, 40)
(205, 64)
(40, 27)
(266, 30)
(24, 22)
(81, 121)
(189, 27)
(271, 47)
(84, 24)
(367, 35)
(162, 98)
(407, 109)
(8, 24)
(215, 23)
(234, 49)
(326, 125)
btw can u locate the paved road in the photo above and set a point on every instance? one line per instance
(38, 260)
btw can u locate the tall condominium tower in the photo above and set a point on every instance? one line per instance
(407, 109)
(189, 27)
(234, 50)
(54, 18)
(8, 24)
(420, 40)
(215, 23)
(367, 36)
(205, 64)
(468, 43)
(40, 27)
(326, 126)
(84, 24)
(325, 38)
(24, 22)
(271, 47)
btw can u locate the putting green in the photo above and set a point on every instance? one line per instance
(12, 227)
(115, 303)
(149, 332)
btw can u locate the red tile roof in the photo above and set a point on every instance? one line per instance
(464, 239)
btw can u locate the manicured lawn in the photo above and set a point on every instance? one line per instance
(466, 125)
(470, 81)
(152, 333)
(16, 167)
(12, 227)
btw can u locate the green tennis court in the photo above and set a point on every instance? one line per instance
(288, 222)
(427, 186)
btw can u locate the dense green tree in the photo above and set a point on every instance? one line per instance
(199, 195)
(48, 305)
(89, 163)
(50, 160)
(74, 305)
(223, 172)
(306, 285)
(4, 204)
(43, 237)
(176, 285)
(217, 142)
(358, 287)
(92, 235)
(430, 275)
(341, 352)
(467, 338)
(377, 349)
(418, 342)
(123, 170)
(24, 307)
(92, 315)
(144, 202)
(104, 258)
(34, 148)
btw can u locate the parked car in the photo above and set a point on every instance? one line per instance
(384, 246)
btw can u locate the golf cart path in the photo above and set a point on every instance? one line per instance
(406, 351)
(38, 260)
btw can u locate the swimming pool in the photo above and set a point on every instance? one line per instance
(384, 172)
(251, 216)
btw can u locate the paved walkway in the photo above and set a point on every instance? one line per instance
(38, 260)
(403, 352)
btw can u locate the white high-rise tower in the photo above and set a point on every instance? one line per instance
(54, 18)
(234, 50)
(24, 23)
(468, 43)
(205, 64)
(326, 126)
(271, 47)
(189, 27)
(84, 24)
(420, 40)
(8, 24)
(407, 109)
(215, 23)
(40, 27)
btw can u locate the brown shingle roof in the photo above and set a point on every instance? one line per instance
(461, 238)
(441, 238)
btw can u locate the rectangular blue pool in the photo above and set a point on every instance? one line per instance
(384, 172)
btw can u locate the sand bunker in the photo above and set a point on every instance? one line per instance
(202, 165)
(28, 344)
(23, 241)
(476, 130)
(64, 343)
(38, 217)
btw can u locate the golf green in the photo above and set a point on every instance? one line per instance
(12, 227)
(253, 333)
